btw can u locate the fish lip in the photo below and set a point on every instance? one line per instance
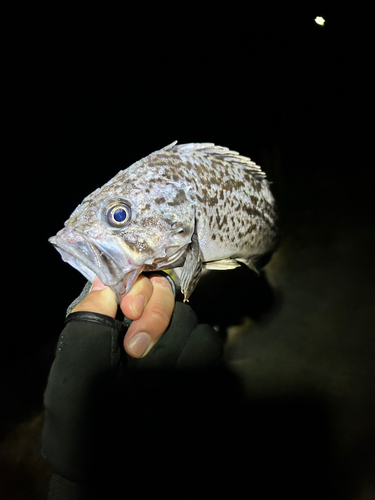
(84, 255)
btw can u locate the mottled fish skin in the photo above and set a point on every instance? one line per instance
(202, 189)
(235, 210)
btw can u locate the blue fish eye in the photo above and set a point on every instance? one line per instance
(117, 213)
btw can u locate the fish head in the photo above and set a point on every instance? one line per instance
(121, 229)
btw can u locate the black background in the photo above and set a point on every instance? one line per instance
(91, 88)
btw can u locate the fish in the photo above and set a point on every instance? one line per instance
(185, 207)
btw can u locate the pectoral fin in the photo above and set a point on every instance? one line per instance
(192, 268)
(222, 265)
(250, 264)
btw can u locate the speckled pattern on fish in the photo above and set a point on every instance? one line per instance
(183, 207)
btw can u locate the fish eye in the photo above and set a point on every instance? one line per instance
(117, 213)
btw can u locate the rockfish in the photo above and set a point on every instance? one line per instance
(185, 206)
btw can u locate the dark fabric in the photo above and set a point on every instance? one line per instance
(107, 416)
(174, 424)
(185, 344)
(60, 487)
(79, 394)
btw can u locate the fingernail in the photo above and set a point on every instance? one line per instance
(139, 344)
(137, 305)
(97, 285)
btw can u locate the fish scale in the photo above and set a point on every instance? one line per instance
(181, 207)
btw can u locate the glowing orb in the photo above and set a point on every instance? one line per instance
(320, 20)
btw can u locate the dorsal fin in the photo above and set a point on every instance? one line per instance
(169, 147)
(220, 152)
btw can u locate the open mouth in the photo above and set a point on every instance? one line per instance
(89, 258)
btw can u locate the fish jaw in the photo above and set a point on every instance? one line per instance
(92, 257)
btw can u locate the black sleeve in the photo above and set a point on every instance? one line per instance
(106, 412)
(79, 395)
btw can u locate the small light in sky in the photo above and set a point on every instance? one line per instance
(320, 20)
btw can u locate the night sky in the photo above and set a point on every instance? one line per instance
(92, 88)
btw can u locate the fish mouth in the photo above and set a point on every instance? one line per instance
(96, 258)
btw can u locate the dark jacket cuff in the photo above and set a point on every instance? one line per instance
(78, 398)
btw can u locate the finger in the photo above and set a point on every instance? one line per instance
(144, 332)
(134, 302)
(101, 299)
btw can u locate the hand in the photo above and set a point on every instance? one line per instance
(93, 397)
(149, 304)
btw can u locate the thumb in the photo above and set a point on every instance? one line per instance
(101, 299)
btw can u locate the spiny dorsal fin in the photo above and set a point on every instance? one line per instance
(220, 152)
(169, 147)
